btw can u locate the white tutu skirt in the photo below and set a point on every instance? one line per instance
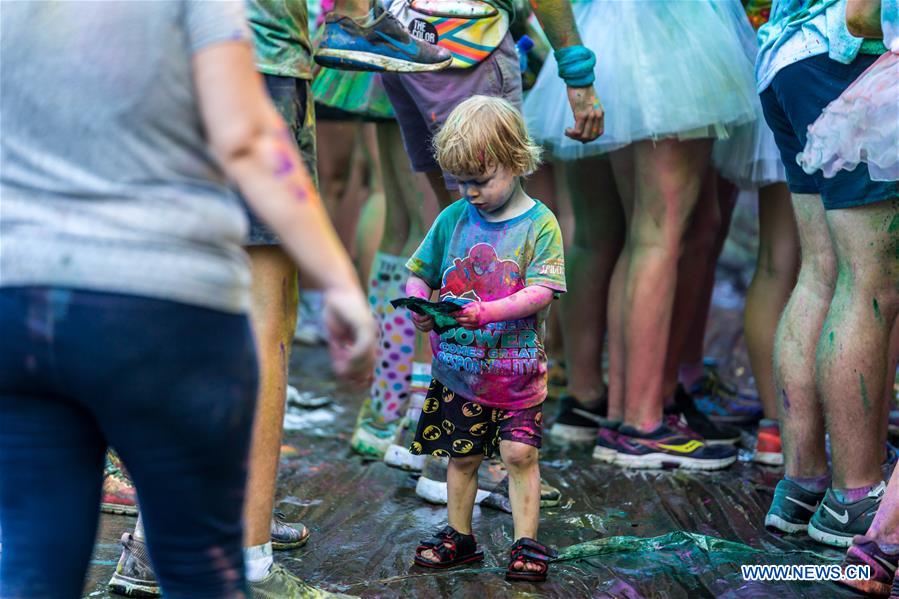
(663, 69)
(862, 125)
(749, 158)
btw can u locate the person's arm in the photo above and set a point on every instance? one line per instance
(558, 24)
(417, 287)
(520, 304)
(256, 149)
(863, 18)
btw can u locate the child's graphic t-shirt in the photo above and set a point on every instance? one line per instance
(502, 365)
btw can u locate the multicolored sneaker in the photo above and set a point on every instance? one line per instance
(286, 536)
(576, 423)
(768, 450)
(669, 448)
(792, 507)
(281, 584)
(710, 432)
(883, 565)
(382, 44)
(835, 522)
(134, 575)
(371, 438)
(493, 485)
(119, 495)
(721, 401)
(606, 447)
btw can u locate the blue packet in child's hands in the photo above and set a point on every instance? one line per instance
(439, 311)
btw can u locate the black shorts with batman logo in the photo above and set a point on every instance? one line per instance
(452, 426)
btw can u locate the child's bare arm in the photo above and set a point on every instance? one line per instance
(417, 287)
(520, 304)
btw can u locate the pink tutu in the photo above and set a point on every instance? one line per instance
(862, 125)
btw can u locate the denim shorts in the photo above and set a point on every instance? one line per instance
(293, 99)
(796, 97)
(423, 101)
(452, 426)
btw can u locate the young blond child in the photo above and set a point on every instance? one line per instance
(497, 252)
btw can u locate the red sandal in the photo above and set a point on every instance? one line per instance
(452, 547)
(528, 551)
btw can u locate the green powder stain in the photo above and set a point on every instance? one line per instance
(866, 402)
(877, 315)
(894, 224)
(830, 338)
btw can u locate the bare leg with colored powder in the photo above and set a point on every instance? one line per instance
(777, 264)
(524, 491)
(668, 177)
(800, 411)
(853, 349)
(461, 488)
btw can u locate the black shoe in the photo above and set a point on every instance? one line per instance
(576, 423)
(713, 434)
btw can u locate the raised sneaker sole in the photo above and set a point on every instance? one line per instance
(400, 457)
(776, 522)
(367, 444)
(566, 433)
(606, 455)
(132, 587)
(355, 60)
(118, 509)
(768, 458)
(828, 537)
(664, 460)
(434, 491)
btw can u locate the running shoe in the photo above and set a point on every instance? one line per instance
(281, 584)
(792, 507)
(119, 494)
(493, 485)
(889, 464)
(767, 445)
(576, 423)
(309, 400)
(712, 433)
(666, 447)
(721, 401)
(133, 576)
(835, 522)
(398, 454)
(866, 552)
(371, 438)
(286, 536)
(606, 447)
(382, 44)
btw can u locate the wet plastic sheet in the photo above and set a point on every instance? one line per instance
(620, 534)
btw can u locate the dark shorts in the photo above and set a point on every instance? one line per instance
(452, 426)
(293, 100)
(795, 98)
(423, 101)
(323, 112)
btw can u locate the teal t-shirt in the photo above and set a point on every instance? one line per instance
(281, 37)
(502, 365)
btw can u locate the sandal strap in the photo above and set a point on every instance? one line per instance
(459, 544)
(535, 547)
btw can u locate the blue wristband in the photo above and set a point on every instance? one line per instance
(576, 65)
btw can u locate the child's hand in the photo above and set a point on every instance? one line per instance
(472, 316)
(422, 322)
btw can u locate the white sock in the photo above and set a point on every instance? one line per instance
(258, 561)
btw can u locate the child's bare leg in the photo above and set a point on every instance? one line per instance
(524, 491)
(462, 486)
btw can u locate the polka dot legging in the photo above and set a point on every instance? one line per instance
(393, 366)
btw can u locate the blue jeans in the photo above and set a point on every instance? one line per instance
(171, 387)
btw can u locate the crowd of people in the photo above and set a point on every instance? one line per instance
(197, 174)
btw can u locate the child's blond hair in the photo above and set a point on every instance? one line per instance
(484, 132)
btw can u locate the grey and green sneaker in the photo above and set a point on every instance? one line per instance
(281, 584)
(371, 438)
(287, 535)
(792, 507)
(134, 575)
(835, 522)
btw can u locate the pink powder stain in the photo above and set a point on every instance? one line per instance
(285, 164)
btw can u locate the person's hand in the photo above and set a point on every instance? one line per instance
(351, 335)
(422, 322)
(472, 316)
(588, 114)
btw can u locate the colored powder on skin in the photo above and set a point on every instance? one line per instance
(877, 315)
(866, 402)
(785, 399)
(285, 164)
(894, 224)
